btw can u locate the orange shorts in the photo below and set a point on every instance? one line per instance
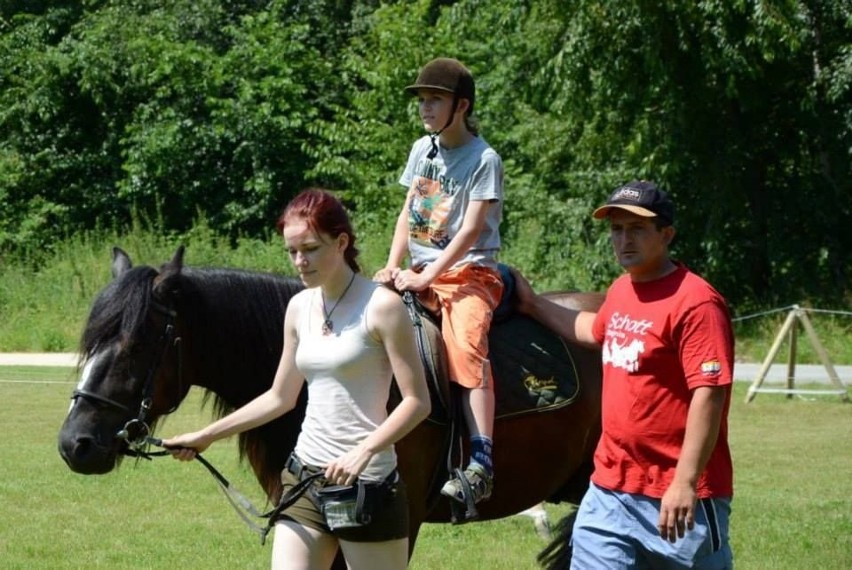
(466, 297)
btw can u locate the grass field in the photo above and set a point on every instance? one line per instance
(792, 509)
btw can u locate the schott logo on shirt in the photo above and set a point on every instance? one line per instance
(619, 322)
(624, 354)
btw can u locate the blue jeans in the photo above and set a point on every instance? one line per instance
(618, 531)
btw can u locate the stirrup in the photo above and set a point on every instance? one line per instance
(461, 513)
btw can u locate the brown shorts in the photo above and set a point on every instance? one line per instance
(389, 521)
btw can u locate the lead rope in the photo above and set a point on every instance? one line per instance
(244, 508)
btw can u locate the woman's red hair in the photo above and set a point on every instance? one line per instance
(323, 213)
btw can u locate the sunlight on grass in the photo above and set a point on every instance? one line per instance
(791, 509)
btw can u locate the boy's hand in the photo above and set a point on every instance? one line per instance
(408, 280)
(386, 276)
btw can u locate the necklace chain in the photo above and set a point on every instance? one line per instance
(328, 324)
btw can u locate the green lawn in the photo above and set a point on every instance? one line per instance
(792, 509)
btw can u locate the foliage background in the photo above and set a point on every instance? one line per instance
(179, 113)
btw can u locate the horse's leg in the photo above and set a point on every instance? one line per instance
(540, 519)
(557, 554)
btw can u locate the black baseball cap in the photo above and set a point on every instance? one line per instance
(642, 198)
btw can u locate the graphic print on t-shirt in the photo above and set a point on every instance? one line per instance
(626, 357)
(429, 208)
(621, 347)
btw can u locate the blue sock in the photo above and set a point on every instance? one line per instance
(480, 452)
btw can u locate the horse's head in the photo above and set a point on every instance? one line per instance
(131, 365)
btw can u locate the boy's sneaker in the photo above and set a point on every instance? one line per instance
(480, 482)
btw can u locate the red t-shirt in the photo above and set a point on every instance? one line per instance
(660, 340)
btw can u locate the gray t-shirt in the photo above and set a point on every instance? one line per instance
(441, 190)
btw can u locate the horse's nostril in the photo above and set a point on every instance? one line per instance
(83, 455)
(82, 447)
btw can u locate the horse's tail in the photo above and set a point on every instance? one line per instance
(557, 554)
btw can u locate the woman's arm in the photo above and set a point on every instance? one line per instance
(279, 399)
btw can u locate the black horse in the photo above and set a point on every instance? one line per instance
(151, 334)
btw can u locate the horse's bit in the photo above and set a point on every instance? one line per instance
(136, 432)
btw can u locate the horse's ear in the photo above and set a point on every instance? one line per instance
(120, 261)
(165, 284)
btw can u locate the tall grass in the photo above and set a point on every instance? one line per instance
(792, 508)
(44, 301)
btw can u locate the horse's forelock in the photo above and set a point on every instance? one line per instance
(119, 310)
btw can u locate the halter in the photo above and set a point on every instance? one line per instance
(138, 423)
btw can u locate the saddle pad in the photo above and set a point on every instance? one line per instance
(532, 367)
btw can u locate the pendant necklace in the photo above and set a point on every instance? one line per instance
(328, 324)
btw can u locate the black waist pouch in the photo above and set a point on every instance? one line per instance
(347, 506)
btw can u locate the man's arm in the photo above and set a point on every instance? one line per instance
(677, 508)
(568, 323)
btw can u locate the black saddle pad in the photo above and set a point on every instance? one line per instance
(533, 368)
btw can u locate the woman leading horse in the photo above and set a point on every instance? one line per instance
(346, 338)
(152, 333)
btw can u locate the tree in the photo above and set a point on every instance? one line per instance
(179, 108)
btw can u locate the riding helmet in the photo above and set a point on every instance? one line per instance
(446, 74)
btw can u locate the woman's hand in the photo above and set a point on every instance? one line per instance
(345, 469)
(186, 446)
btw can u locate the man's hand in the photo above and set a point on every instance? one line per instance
(677, 511)
(524, 294)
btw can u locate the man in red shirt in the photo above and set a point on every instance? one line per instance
(661, 489)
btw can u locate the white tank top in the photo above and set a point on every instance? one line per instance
(348, 375)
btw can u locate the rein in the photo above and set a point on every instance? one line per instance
(244, 508)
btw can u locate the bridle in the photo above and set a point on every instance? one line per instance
(136, 431)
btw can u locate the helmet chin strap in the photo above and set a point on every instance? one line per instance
(433, 136)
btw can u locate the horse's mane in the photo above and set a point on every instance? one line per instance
(222, 312)
(242, 312)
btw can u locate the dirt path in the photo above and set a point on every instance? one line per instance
(38, 359)
(742, 371)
